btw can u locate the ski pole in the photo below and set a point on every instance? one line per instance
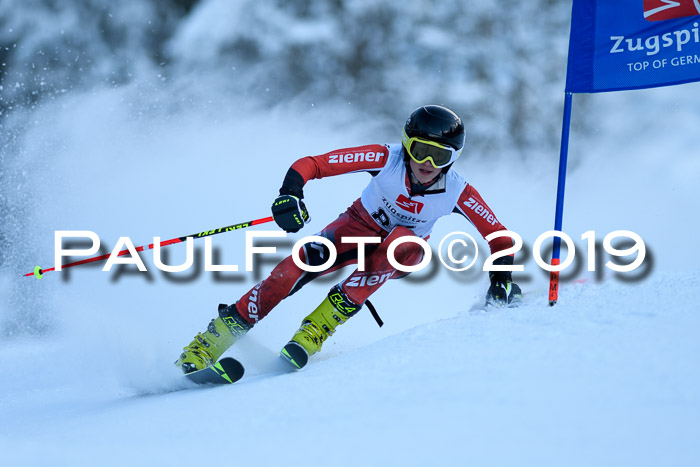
(39, 273)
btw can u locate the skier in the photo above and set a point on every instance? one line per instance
(411, 187)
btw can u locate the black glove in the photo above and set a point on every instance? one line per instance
(502, 291)
(290, 213)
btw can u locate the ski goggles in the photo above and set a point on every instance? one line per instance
(421, 150)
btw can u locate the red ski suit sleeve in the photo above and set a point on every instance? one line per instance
(472, 206)
(359, 159)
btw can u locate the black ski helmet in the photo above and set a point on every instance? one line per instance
(436, 123)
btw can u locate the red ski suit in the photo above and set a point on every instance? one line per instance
(387, 209)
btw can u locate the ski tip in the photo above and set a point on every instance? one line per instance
(232, 368)
(226, 371)
(295, 355)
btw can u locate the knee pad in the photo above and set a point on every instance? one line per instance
(316, 254)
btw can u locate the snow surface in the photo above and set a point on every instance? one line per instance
(607, 377)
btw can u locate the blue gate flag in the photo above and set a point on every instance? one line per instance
(624, 44)
(617, 45)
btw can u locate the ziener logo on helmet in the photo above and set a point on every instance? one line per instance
(662, 10)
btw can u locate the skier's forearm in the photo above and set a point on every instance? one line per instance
(293, 184)
(500, 244)
(358, 159)
(472, 206)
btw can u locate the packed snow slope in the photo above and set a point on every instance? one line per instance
(607, 377)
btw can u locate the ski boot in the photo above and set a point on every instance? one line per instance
(335, 309)
(208, 346)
